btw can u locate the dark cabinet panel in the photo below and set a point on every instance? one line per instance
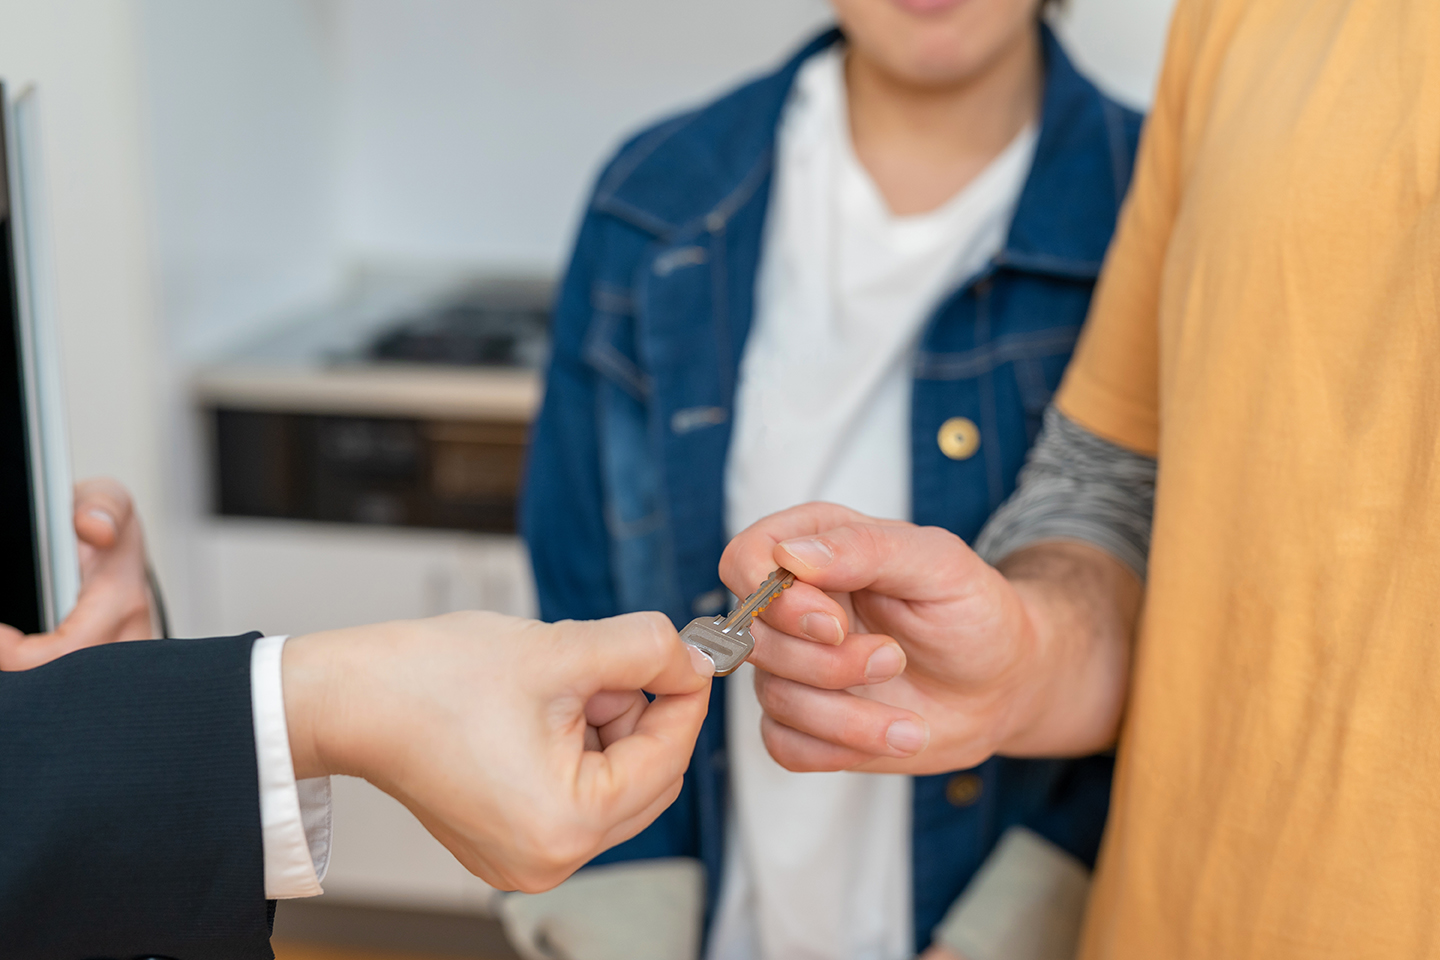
(373, 470)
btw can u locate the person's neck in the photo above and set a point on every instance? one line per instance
(923, 144)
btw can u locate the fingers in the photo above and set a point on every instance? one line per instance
(496, 872)
(610, 705)
(102, 510)
(631, 652)
(633, 772)
(808, 612)
(749, 558)
(628, 828)
(612, 714)
(863, 658)
(898, 560)
(21, 652)
(843, 719)
(114, 605)
(801, 753)
(114, 601)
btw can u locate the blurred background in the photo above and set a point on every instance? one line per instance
(270, 218)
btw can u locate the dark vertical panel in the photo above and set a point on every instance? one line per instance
(19, 589)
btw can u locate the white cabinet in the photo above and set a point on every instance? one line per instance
(294, 577)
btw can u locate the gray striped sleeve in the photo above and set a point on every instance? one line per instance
(1076, 486)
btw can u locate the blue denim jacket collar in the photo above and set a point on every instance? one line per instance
(730, 146)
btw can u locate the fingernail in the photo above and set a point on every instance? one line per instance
(884, 663)
(701, 662)
(102, 515)
(812, 553)
(906, 737)
(822, 628)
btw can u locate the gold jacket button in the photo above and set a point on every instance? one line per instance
(963, 789)
(959, 438)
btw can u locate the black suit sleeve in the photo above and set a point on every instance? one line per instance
(129, 805)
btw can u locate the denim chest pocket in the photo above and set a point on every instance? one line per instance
(635, 515)
(622, 412)
(1036, 360)
(610, 340)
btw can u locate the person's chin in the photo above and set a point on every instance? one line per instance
(928, 6)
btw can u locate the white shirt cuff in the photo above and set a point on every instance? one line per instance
(294, 816)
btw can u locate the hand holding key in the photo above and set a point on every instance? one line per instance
(948, 696)
(526, 748)
(726, 640)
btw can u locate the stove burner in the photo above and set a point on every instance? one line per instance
(469, 333)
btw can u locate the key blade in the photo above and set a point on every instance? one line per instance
(779, 580)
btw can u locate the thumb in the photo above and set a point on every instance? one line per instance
(103, 510)
(903, 561)
(636, 651)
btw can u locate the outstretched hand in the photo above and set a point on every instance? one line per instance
(114, 602)
(525, 748)
(899, 649)
(892, 634)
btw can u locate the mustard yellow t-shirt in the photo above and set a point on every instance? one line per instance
(1268, 324)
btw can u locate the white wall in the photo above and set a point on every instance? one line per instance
(471, 130)
(83, 55)
(241, 108)
(1119, 43)
(290, 138)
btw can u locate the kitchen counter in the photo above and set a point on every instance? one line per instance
(376, 390)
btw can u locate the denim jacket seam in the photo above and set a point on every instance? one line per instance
(719, 215)
(612, 299)
(630, 159)
(602, 356)
(636, 217)
(710, 221)
(619, 529)
(968, 364)
(657, 437)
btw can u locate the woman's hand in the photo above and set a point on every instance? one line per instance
(114, 602)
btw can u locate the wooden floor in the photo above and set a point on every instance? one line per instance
(296, 950)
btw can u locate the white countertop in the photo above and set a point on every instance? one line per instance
(314, 363)
(383, 390)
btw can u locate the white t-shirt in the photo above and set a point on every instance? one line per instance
(818, 864)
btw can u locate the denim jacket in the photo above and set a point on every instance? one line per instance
(624, 500)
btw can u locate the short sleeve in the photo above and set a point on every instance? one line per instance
(1112, 385)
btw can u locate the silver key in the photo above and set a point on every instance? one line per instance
(726, 640)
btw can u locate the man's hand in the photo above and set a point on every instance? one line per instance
(525, 748)
(898, 649)
(114, 602)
